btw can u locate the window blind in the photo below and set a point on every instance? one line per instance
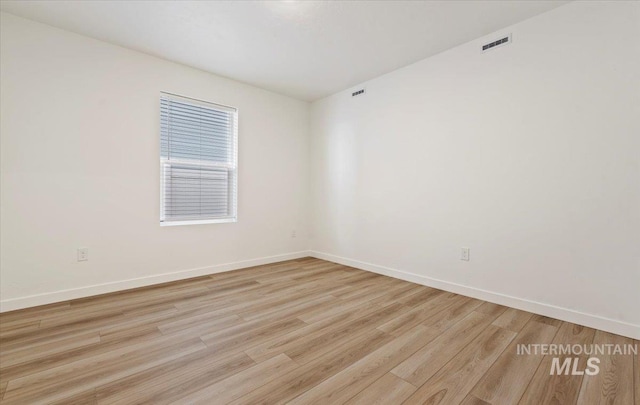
(198, 161)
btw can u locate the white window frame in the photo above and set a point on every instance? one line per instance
(231, 168)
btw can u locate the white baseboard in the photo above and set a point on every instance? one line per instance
(565, 314)
(82, 292)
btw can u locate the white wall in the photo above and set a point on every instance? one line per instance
(529, 154)
(80, 168)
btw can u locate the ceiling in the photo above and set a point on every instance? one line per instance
(304, 49)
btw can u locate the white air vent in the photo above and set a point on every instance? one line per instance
(357, 93)
(498, 42)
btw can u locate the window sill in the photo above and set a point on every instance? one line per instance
(199, 222)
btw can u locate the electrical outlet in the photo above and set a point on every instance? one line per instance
(293, 233)
(464, 254)
(83, 254)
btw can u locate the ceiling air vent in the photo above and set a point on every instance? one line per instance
(499, 42)
(357, 93)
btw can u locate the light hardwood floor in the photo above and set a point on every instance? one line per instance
(304, 331)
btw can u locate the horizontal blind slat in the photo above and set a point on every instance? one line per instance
(193, 134)
(213, 110)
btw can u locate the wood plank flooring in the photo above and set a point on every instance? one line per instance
(304, 331)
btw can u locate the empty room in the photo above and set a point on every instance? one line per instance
(320, 202)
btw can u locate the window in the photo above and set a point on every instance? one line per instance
(198, 161)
